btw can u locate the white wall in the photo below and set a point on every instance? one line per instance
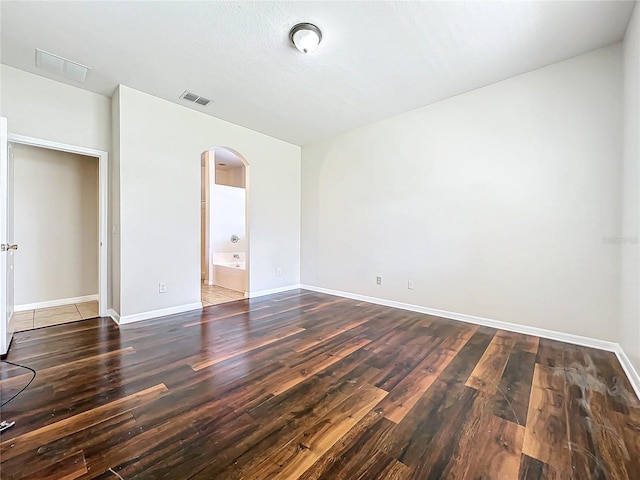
(204, 188)
(227, 219)
(159, 153)
(114, 206)
(630, 231)
(233, 177)
(495, 202)
(43, 108)
(56, 225)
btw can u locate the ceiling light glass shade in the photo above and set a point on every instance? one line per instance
(305, 37)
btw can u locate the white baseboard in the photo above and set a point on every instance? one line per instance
(627, 366)
(271, 291)
(632, 374)
(55, 303)
(137, 317)
(115, 316)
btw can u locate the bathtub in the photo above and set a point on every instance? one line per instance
(229, 272)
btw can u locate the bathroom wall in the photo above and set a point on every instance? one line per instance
(223, 210)
(223, 216)
(227, 219)
(233, 177)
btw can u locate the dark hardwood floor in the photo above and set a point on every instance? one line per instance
(305, 385)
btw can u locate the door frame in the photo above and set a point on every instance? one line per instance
(6, 325)
(103, 204)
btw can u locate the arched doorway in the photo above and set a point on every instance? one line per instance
(224, 226)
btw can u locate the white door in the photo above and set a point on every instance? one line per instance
(7, 246)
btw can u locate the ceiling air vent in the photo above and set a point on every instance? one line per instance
(193, 98)
(61, 66)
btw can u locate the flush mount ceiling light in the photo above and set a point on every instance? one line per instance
(305, 37)
(61, 66)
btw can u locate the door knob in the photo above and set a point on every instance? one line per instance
(6, 247)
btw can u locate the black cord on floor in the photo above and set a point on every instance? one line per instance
(23, 388)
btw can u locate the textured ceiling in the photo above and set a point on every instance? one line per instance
(376, 59)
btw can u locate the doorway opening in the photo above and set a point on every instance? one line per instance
(59, 205)
(56, 221)
(224, 226)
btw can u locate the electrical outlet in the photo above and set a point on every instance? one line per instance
(279, 272)
(410, 285)
(162, 287)
(379, 280)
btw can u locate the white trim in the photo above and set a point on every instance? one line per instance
(487, 322)
(6, 325)
(137, 317)
(62, 147)
(103, 231)
(114, 315)
(271, 291)
(56, 303)
(627, 366)
(614, 347)
(103, 189)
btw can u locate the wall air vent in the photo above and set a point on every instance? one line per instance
(61, 66)
(193, 98)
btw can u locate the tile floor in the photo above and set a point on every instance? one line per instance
(44, 317)
(214, 295)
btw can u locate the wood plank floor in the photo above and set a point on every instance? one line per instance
(311, 386)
